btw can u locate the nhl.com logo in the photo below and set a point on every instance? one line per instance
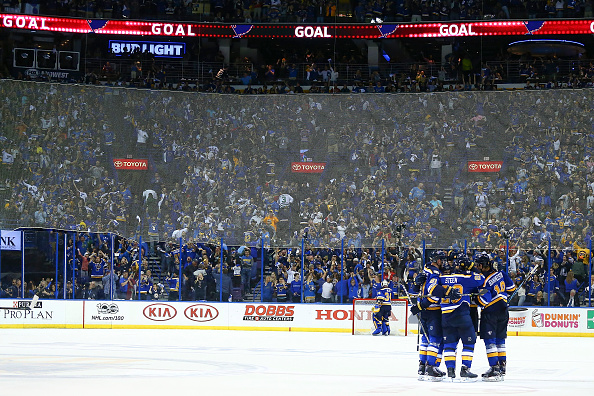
(107, 308)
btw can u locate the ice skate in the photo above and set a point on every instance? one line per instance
(431, 374)
(439, 371)
(421, 371)
(466, 375)
(502, 366)
(492, 375)
(451, 374)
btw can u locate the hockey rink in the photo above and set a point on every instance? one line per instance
(159, 362)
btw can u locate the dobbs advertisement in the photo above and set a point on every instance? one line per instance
(292, 317)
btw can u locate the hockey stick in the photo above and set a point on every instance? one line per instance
(420, 324)
(482, 292)
(27, 308)
(528, 277)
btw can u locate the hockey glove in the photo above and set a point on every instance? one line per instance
(415, 309)
(420, 279)
(453, 294)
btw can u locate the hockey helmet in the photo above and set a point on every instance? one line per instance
(463, 263)
(385, 283)
(439, 255)
(484, 262)
(452, 255)
(447, 267)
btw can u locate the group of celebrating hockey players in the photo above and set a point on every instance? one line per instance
(447, 294)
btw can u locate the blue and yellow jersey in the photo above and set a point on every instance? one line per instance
(175, 254)
(281, 290)
(431, 271)
(500, 286)
(466, 284)
(533, 288)
(144, 287)
(246, 261)
(375, 288)
(173, 284)
(96, 269)
(430, 303)
(384, 295)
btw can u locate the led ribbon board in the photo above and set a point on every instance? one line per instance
(347, 31)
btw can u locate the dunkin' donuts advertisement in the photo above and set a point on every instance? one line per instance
(548, 320)
(517, 317)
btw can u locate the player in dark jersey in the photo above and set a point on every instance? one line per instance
(474, 315)
(494, 317)
(428, 310)
(383, 310)
(456, 321)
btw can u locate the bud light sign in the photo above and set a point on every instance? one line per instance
(158, 49)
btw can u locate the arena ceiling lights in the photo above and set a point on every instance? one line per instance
(347, 31)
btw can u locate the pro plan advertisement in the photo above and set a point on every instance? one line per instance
(45, 314)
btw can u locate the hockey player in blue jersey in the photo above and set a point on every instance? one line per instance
(382, 310)
(428, 311)
(456, 321)
(494, 317)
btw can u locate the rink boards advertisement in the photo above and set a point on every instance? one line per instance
(224, 316)
(551, 321)
(45, 314)
(253, 316)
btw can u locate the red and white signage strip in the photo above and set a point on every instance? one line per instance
(308, 167)
(348, 31)
(484, 166)
(132, 164)
(155, 314)
(531, 321)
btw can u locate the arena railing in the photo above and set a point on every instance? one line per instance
(178, 72)
(65, 264)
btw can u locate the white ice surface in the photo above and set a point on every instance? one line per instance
(203, 362)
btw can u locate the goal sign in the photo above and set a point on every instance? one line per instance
(363, 317)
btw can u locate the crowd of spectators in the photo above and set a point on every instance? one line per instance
(329, 275)
(311, 11)
(219, 166)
